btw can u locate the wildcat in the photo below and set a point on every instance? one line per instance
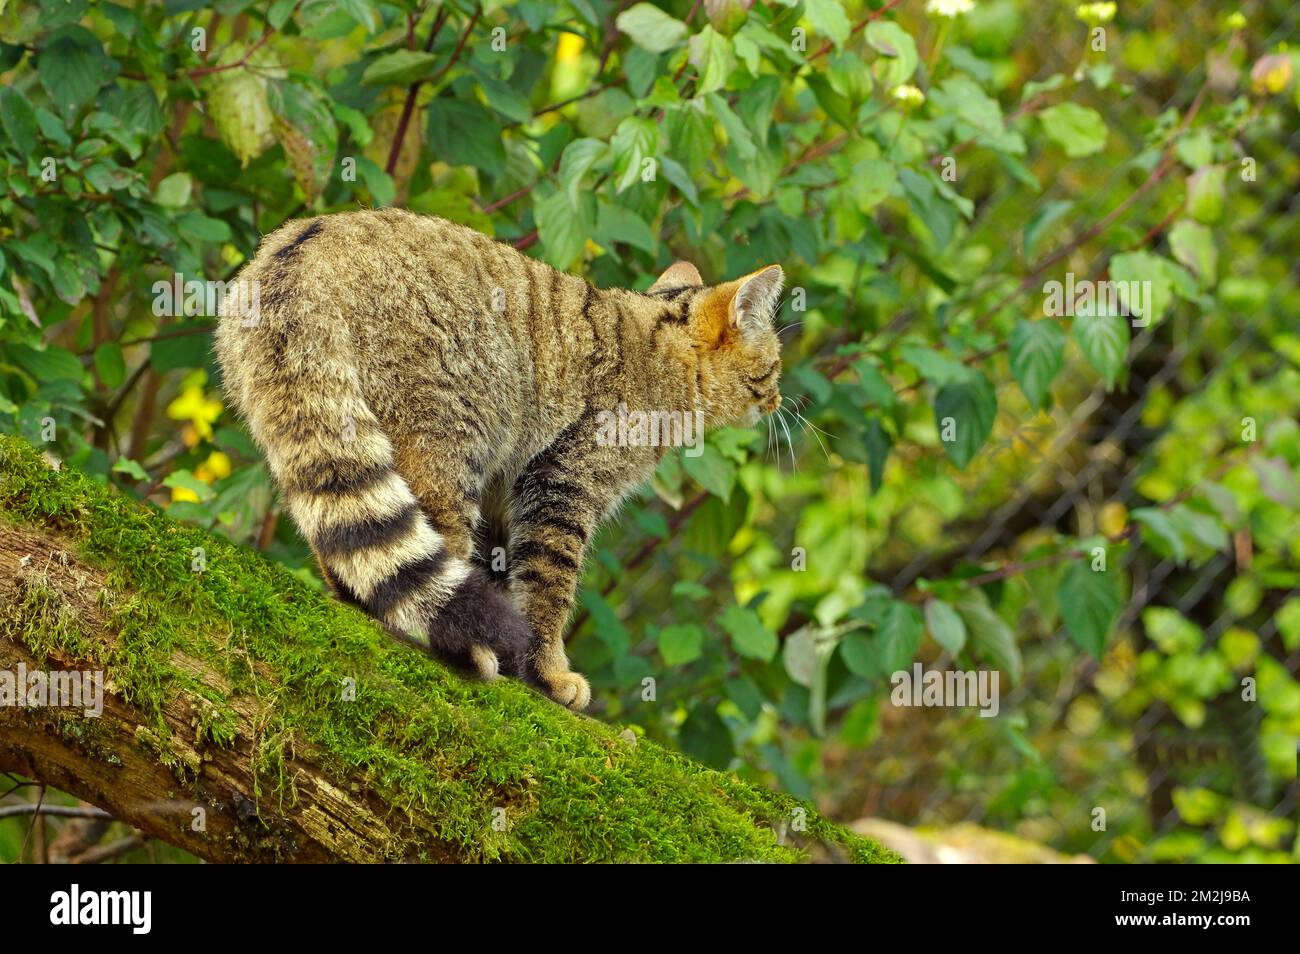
(423, 393)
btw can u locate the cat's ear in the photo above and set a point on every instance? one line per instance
(677, 275)
(753, 306)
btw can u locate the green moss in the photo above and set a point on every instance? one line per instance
(43, 620)
(505, 774)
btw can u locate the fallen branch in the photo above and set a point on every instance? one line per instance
(247, 717)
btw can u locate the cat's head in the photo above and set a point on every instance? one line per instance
(732, 328)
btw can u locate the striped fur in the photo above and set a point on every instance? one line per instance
(416, 386)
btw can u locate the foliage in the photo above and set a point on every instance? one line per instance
(922, 178)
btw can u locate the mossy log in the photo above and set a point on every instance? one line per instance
(248, 717)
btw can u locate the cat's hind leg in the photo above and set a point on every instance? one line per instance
(477, 628)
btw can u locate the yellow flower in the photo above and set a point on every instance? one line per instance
(908, 95)
(196, 407)
(1271, 73)
(567, 50)
(1095, 13)
(216, 467)
(1112, 519)
(184, 494)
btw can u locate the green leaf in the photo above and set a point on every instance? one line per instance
(976, 115)
(52, 128)
(676, 173)
(690, 133)
(635, 140)
(1089, 602)
(641, 67)
(505, 100)
(57, 13)
(379, 183)
(73, 67)
(1037, 349)
(1200, 527)
(681, 644)
(835, 106)
(467, 134)
(691, 590)
(829, 19)
(879, 444)
(52, 364)
(174, 191)
(129, 467)
(713, 57)
(67, 281)
(650, 28)
(1193, 245)
(400, 68)
(749, 637)
(183, 350)
(203, 228)
(280, 11)
(989, 636)
(615, 223)
(1195, 149)
(1103, 339)
(1129, 270)
(964, 410)
(705, 736)
(1158, 527)
(871, 182)
(1046, 215)
(859, 654)
(711, 471)
(746, 695)
(1206, 193)
(850, 77)
(19, 121)
(898, 49)
(737, 133)
(609, 628)
(899, 636)
(563, 226)
(110, 364)
(1078, 130)
(937, 368)
(800, 656)
(945, 625)
(576, 161)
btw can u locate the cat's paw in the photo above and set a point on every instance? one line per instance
(568, 689)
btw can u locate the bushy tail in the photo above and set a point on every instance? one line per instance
(294, 376)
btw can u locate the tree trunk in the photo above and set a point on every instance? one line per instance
(247, 717)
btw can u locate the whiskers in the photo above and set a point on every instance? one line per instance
(790, 412)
